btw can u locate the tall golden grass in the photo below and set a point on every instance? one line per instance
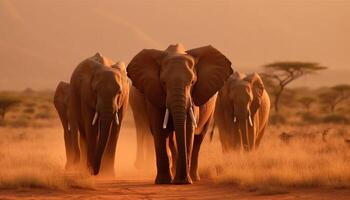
(308, 159)
(35, 157)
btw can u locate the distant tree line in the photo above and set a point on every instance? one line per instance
(277, 77)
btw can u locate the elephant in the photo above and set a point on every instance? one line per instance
(99, 99)
(61, 102)
(178, 85)
(241, 112)
(145, 150)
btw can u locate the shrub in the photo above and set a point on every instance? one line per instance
(310, 118)
(6, 102)
(2, 123)
(21, 121)
(45, 107)
(29, 104)
(335, 118)
(29, 110)
(277, 119)
(43, 115)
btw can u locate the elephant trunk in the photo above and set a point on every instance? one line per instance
(179, 115)
(246, 130)
(106, 119)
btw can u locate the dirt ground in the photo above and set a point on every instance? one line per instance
(145, 189)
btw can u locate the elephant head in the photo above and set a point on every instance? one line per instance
(175, 79)
(107, 90)
(245, 96)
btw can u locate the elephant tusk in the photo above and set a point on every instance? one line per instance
(116, 118)
(95, 119)
(193, 118)
(234, 119)
(250, 120)
(166, 118)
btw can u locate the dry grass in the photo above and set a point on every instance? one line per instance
(307, 160)
(35, 158)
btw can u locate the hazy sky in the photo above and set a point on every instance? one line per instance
(42, 41)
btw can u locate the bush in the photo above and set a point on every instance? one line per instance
(335, 118)
(277, 119)
(29, 104)
(43, 115)
(45, 107)
(21, 121)
(310, 118)
(29, 110)
(6, 102)
(2, 123)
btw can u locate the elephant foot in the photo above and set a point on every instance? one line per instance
(93, 172)
(163, 179)
(195, 176)
(182, 181)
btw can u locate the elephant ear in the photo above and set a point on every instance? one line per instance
(213, 69)
(144, 70)
(258, 88)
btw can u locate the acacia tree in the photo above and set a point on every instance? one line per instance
(283, 73)
(307, 102)
(6, 103)
(335, 96)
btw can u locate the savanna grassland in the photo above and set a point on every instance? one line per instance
(296, 160)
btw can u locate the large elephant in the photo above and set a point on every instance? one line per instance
(99, 99)
(242, 112)
(179, 89)
(61, 102)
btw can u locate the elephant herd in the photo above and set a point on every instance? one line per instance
(174, 96)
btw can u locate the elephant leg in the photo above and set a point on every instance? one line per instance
(225, 147)
(91, 138)
(163, 169)
(160, 136)
(73, 140)
(91, 134)
(173, 150)
(83, 149)
(237, 143)
(68, 147)
(198, 139)
(67, 144)
(224, 140)
(74, 134)
(149, 148)
(140, 139)
(62, 113)
(83, 146)
(107, 166)
(260, 135)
